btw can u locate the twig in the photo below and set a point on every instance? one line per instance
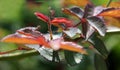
(108, 3)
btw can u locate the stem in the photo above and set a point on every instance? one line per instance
(55, 56)
(108, 3)
(50, 30)
(55, 53)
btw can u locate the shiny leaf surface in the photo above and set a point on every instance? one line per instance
(98, 24)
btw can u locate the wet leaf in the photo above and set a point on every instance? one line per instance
(98, 24)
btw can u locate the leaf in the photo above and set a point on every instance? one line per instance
(15, 38)
(88, 11)
(98, 24)
(90, 31)
(42, 16)
(112, 12)
(98, 45)
(47, 53)
(97, 10)
(115, 4)
(69, 56)
(76, 11)
(27, 35)
(72, 32)
(112, 29)
(75, 2)
(72, 47)
(65, 21)
(111, 21)
(100, 63)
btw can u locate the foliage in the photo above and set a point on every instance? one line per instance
(66, 45)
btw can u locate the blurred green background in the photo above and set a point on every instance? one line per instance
(16, 14)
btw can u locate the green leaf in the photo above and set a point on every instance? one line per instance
(98, 24)
(100, 63)
(69, 56)
(98, 45)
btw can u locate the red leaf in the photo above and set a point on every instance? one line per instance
(42, 16)
(112, 12)
(60, 44)
(15, 38)
(65, 21)
(72, 47)
(27, 35)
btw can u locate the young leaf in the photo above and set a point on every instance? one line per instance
(42, 16)
(65, 21)
(98, 24)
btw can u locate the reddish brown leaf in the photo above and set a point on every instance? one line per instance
(75, 2)
(110, 21)
(112, 12)
(27, 35)
(115, 4)
(42, 16)
(72, 47)
(14, 38)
